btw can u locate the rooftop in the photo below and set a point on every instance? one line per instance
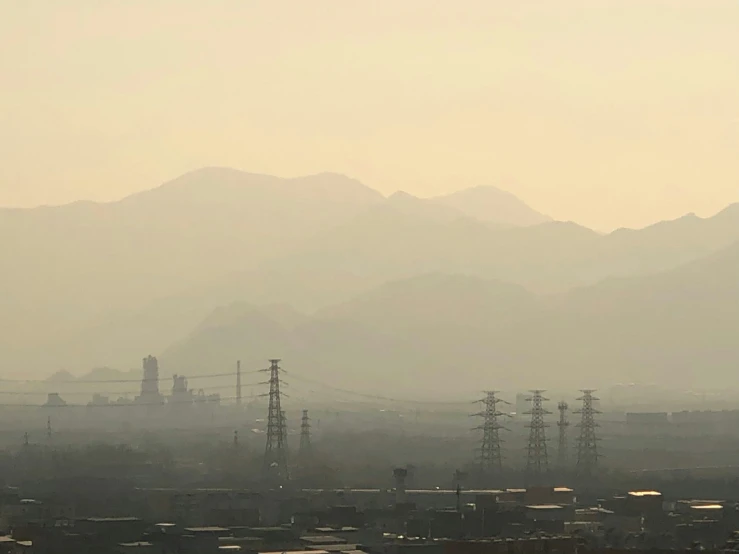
(294, 552)
(333, 547)
(112, 519)
(322, 539)
(641, 494)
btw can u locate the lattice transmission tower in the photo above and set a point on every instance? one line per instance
(490, 455)
(562, 424)
(537, 461)
(305, 445)
(275, 453)
(587, 442)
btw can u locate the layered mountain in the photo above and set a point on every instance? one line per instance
(91, 281)
(395, 240)
(69, 266)
(93, 285)
(441, 333)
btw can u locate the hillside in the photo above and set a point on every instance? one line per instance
(437, 299)
(451, 333)
(396, 240)
(69, 267)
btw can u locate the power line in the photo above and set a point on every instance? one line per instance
(120, 393)
(374, 396)
(104, 381)
(132, 404)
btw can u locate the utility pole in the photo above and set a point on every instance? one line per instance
(275, 453)
(490, 457)
(238, 383)
(587, 442)
(537, 461)
(563, 424)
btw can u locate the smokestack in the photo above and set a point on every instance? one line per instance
(400, 473)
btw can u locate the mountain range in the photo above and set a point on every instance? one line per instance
(462, 291)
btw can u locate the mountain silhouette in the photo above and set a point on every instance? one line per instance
(95, 285)
(70, 266)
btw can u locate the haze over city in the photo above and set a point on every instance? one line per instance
(380, 277)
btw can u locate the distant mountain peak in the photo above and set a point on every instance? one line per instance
(212, 184)
(403, 199)
(410, 205)
(488, 203)
(61, 376)
(402, 196)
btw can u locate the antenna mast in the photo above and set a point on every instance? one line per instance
(562, 424)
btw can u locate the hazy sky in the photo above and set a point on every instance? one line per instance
(608, 113)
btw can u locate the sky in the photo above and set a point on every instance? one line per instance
(609, 113)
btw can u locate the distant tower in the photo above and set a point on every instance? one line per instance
(283, 427)
(400, 474)
(150, 381)
(587, 442)
(53, 400)
(275, 453)
(305, 446)
(563, 424)
(491, 459)
(537, 462)
(181, 396)
(238, 383)
(460, 479)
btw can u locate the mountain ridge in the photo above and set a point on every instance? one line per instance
(646, 329)
(87, 279)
